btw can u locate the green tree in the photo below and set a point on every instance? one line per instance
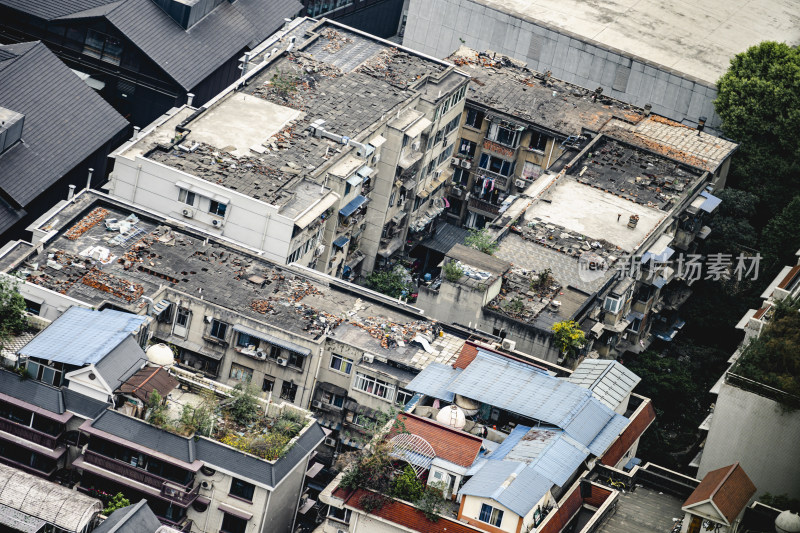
(569, 337)
(481, 240)
(243, 406)
(781, 237)
(407, 486)
(759, 103)
(13, 320)
(453, 271)
(731, 227)
(432, 500)
(117, 502)
(158, 411)
(390, 283)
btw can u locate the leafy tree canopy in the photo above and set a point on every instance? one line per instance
(759, 103)
(481, 240)
(389, 283)
(12, 309)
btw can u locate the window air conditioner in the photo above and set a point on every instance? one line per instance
(281, 361)
(188, 213)
(330, 442)
(520, 184)
(316, 404)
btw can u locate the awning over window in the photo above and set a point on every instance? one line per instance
(235, 511)
(316, 211)
(341, 241)
(416, 128)
(710, 203)
(292, 347)
(355, 179)
(354, 204)
(365, 171)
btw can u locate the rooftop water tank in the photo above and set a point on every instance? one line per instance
(453, 416)
(160, 354)
(787, 522)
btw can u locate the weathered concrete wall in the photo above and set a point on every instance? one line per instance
(439, 27)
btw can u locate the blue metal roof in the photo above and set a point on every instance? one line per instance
(512, 440)
(607, 435)
(434, 381)
(522, 493)
(711, 203)
(589, 421)
(560, 460)
(354, 204)
(520, 388)
(82, 336)
(341, 241)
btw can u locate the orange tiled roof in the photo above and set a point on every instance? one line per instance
(468, 354)
(729, 488)
(449, 443)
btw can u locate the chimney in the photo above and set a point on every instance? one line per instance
(89, 179)
(245, 63)
(647, 109)
(71, 192)
(135, 133)
(189, 99)
(701, 124)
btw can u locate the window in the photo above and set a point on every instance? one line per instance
(612, 305)
(342, 515)
(335, 400)
(474, 119)
(417, 202)
(347, 188)
(460, 176)
(219, 329)
(439, 137)
(233, 524)
(33, 308)
(186, 197)
(295, 360)
(244, 340)
(242, 489)
(531, 170)
(451, 126)
(374, 386)
(341, 363)
(392, 198)
(496, 165)
(268, 384)
(467, 148)
(103, 47)
(288, 391)
(217, 208)
(241, 373)
(490, 515)
(504, 133)
(182, 318)
(403, 396)
(538, 141)
(445, 155)
(363, 421)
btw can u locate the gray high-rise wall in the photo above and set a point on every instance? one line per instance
(439, 27)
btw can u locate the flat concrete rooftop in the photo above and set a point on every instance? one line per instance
(155, 256)
(698, 38)
(594, 213)
(643, 511)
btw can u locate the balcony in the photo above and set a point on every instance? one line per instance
(499, 148)
(184, 526)
(30, 434)
(180, 494)
(483, 207)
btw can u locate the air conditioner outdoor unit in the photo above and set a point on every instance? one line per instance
(415, 146)
(316, 404)
(330, 442)
(217, 222)
(261, 354)
(206, 484)
(368, 358)
(466, 164)
(281, 361)
(457, 191)
(454, 161)
(509, 345)
(188, 213)
(437, 174)
(520, 184)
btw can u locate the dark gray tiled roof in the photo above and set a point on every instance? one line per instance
(136, 518)
(122, 362)
(82, 405)
(142, 433)
(445, 238)
(51, 9)
(65, 120)
(33, 392)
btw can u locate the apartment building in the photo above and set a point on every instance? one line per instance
(506, 454)
(352, 147)
(229, 315)
(668, 58)
(749, 416)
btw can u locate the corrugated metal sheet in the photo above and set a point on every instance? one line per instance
(589, 421)
(533, 443)
(560, 460)
(607, 435)
(434, 381)
(520, 388)
(82, 336)
(609, 381)
(521, 494)
(509, 442)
